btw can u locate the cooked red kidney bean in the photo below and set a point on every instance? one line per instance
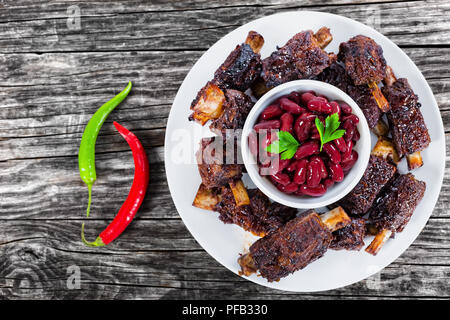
(349, 128)
(322, 167)
(337, 174)
(277, 165)
(348, 152)
(313, 191)
(335, 108)
(328, 182)
(287, 121)
(346, 109)
(302, 127)
(307, 149)
(295, 96)
(290, 106)
(317, 105)
(272, 111)
(313, 174)
(281, 178)
(300, 174)
(332, 152)
(292, 166)
(350, 162)
(341, 144)
(353, 117)
(305, 97)
(289, 188)
(321, 98)
(267, 125)
(356, 135)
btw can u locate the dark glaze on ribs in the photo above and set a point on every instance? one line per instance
(350, 237)
(336, 76)
(409, 132)
(363, 59)
(376, 176)
(300, 58)
(239, 70)
(236, 107)
(212, 166)
(260, 217)
(395, 205)
(291, 247)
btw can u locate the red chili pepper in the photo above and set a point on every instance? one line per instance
(135, 196)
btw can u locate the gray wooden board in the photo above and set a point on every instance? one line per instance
(53, 77)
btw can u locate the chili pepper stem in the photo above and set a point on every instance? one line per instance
(97, 243)
(89, 200)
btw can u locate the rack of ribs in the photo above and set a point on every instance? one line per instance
(336, 75)
(302, 57)
(294, 245)
(239, 70)
(378, 173)
(365, 64)
(217, 169)
(350, 237)
(409, 132)
(394, 207)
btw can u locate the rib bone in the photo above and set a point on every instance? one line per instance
(378, 96)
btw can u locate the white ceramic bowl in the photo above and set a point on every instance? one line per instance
(338, 190)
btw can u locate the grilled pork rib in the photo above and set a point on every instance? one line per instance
(365, 64)
(379, 171)
(302, 57)
(336, 75)
(409, 132)
(394, 207)
(240, 69)
(294, 245)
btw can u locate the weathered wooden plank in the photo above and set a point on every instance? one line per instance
(80, 82)
(167, 262)
(48, 187)
(27, 193)
(119, 29)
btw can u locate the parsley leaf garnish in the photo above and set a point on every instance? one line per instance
(286, 145)
(329, 132)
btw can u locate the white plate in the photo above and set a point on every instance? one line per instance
(224, 242)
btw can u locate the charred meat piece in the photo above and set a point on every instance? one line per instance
(376, 176)
(236, 107)
(350, 237)
(365, 64)
(337, 76)
(300, 58)
(409, 132)
(240, 69)
(259, 217)
(214, 165)
(293, 246)
(394, 207)
(363, 59)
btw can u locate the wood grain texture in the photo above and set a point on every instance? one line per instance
(52, 78)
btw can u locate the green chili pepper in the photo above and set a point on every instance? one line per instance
(86, 154)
